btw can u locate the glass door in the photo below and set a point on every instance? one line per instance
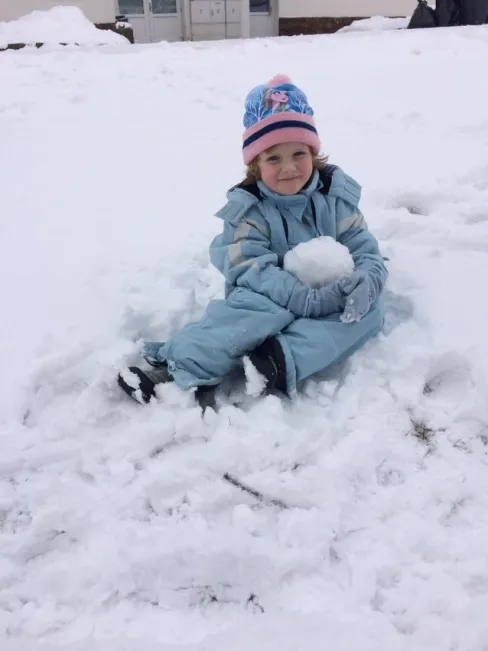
(137, 12)
(263, 18)
(165, 20)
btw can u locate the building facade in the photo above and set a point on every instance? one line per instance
(177, 20)
(155, 20)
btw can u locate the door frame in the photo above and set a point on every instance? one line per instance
(185, 20)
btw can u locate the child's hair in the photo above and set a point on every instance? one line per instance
(253, 174)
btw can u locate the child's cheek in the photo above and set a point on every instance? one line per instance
(306, 167)
(268, 174)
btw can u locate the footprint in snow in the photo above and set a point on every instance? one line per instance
(450, 376)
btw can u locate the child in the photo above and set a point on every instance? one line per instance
(289, 330)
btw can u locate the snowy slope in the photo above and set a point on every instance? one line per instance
(121, 527)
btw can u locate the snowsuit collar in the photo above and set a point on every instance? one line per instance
(338, 185)
(295, 204)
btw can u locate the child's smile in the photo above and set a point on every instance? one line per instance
(286, 168)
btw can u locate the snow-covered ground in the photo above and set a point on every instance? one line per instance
(57, 25)
(124, 528)
(376, 24)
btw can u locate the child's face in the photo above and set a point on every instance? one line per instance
(286, 168)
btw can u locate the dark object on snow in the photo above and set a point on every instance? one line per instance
(120, 26)
(145, 383)
(269, 361)
(148, 379)
(423, 16)
(449, 13)
(473, 12)
(205, 396)
(252, 491)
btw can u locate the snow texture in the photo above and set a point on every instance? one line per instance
(319, 262)
(57, 25)
(255, 382)
(354, 518)
(376, 24)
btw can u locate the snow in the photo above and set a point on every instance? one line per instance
(119, 530)
(376, 24)
(255, 382)
(319, 262)
(57, 25)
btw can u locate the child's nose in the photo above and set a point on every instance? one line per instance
(289, 165)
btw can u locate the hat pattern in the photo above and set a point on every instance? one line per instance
(264, 101)
(277, 112)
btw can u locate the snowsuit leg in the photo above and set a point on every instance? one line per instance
(202, 353)
(311, 345)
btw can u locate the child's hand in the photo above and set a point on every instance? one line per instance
(326, 300)
(315, 303)
(359, 296)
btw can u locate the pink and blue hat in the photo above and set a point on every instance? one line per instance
(277, 112)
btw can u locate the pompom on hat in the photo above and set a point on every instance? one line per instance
(277, 112)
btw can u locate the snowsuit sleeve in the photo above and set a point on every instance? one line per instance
(242, 253)
(352, 231)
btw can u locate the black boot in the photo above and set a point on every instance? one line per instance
(205, 396)
(269, 360)
(145, 383)
(148, 379)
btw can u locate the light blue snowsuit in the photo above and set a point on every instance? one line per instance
(263, 300)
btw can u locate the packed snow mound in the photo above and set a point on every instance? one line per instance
(319, 262)
(376, 24)
(57, 25)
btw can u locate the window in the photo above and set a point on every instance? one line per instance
(131, 7)
(164, 7)
(259, 6)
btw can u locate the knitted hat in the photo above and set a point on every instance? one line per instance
(277, 112)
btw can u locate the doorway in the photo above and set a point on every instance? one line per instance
(153, 20)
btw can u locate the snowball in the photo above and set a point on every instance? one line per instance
(319, 262)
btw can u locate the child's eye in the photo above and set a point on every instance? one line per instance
(273, 159)
(299, 154)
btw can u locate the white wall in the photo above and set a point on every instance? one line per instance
(336, 8)
(98, 11)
